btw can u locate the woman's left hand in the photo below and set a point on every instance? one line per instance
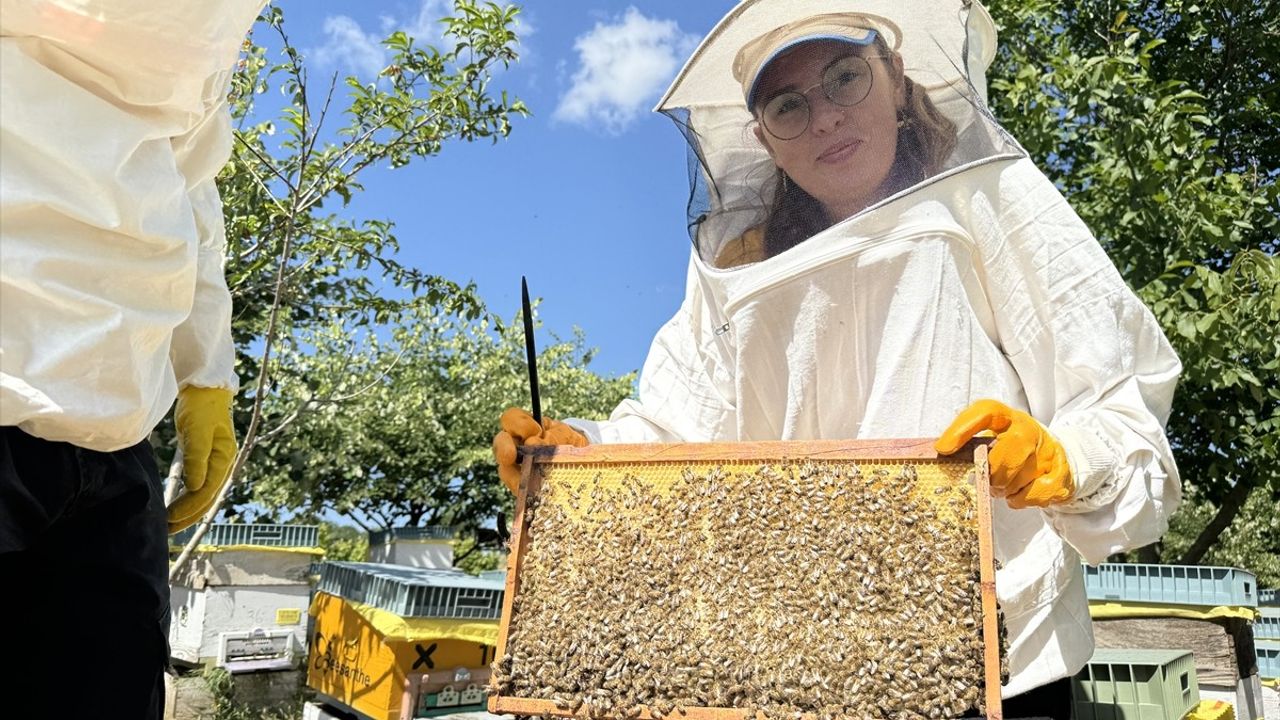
(1028, 465)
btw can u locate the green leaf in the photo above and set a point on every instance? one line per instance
(1187, 327)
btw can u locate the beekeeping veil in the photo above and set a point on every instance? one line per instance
(945, 47)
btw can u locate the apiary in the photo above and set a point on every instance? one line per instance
(719, 581)
(1213, 611)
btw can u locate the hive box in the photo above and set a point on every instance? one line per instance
(424, 547)
(231, 591)
(385, 645)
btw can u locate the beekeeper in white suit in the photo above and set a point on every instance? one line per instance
(113, 123)
(876, 258)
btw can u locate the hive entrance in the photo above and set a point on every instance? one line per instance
(831, 587)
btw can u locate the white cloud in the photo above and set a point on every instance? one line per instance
(426, 27)
(350, 47)
(622, 68)
(524, 27)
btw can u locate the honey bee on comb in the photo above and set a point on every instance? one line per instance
(779, 589)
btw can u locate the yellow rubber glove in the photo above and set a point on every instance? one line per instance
(519, 428)
(1028, 466)
(203, 417)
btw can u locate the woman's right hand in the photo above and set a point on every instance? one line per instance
(519, 428)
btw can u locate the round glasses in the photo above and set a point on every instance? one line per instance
(846, 82)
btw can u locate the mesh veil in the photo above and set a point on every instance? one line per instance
(945, 48)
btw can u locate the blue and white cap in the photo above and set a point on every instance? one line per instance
(852, 28)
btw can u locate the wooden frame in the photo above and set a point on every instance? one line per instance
(975, 453)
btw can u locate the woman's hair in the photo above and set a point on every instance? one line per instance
(926, 139)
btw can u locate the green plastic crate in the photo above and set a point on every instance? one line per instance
(1136, 685)
(1268, 654)
(263, 534)
(414, 592)
(433, 532)
(1176, 584)
(1267, 626)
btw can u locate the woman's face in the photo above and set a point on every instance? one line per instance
(845, 154)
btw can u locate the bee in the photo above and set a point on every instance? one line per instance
(660, 601)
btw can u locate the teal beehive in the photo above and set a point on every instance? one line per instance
(1136, 685)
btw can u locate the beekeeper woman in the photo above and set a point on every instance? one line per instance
(875, 258)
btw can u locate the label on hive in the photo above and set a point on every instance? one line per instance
(288, 616)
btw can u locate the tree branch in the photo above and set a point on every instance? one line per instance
(459, 558)
(1220, 521)
(255, 418)
(270, 166)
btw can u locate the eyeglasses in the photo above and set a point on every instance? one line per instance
(846, 82)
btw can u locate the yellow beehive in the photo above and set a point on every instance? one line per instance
(385, 665)
(1212, 710)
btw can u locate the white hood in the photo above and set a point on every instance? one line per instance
(979, 282)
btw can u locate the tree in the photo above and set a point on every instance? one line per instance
(293, 265)
(1252, 541)
(469, 556)
(343, 542)
(400, 429)
(1161, 123)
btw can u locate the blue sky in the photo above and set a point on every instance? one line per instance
(586, 197)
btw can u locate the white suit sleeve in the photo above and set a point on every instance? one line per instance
(1097, 369)
(685, 389)
(202, 351)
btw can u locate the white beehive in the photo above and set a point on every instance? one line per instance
(421, 547)
(244, 581)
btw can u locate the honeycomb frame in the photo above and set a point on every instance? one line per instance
(539, 462)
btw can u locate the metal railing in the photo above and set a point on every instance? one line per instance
(1179, 584)
(414, 592)
(267, 535)
(433, 532)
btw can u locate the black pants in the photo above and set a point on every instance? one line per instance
(84, 590)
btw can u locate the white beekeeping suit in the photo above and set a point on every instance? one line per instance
(968, 277)
(111, 287)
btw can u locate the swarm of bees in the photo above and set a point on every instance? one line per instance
(821, 588)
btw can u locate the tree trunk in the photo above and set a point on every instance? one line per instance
(1149, 554)
(1227, 512)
